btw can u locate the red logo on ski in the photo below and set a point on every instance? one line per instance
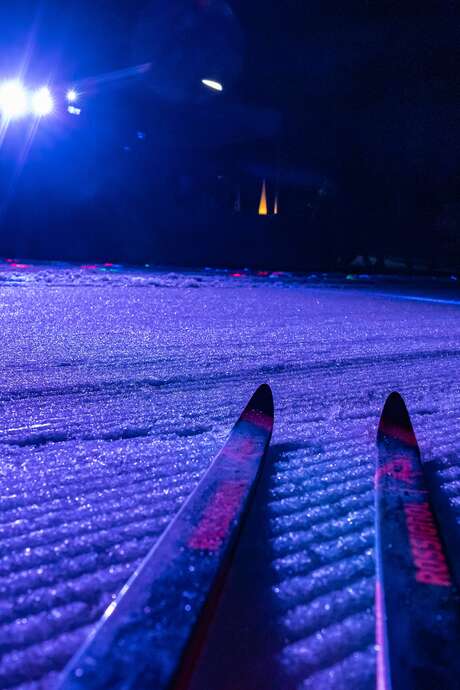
(400, 468)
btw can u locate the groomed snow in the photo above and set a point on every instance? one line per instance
(114, 400)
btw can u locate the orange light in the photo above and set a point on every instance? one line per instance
(263, 209)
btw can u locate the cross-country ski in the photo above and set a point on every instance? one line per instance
(417, 600)
(147, 636)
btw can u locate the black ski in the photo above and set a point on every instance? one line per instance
(146, 638)
(417, 601)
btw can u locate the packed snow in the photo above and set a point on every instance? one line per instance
(114, 401)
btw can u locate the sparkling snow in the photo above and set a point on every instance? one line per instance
(118, 386)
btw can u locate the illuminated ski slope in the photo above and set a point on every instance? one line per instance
(117, 387)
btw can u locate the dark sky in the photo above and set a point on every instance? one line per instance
(303, 58)
(361, 96)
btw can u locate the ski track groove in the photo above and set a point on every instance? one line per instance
(62, 513)
(111, 424)
(91, 524)
(96, 520)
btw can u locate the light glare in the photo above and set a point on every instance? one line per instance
(72, 95)
(211, 84)
(13, 99)
(42, 102)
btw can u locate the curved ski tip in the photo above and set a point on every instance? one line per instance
(395, 415)
(262, 400)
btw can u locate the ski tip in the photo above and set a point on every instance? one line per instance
(262, 401)
(395, 420)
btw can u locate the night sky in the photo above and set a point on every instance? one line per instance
(350, 111)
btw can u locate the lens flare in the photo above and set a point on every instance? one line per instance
(71, 95)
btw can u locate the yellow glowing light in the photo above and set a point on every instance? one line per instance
(263, 209)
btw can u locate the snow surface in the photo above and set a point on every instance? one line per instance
(114, 400)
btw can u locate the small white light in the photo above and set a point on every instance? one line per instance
(72, 95)
(73, 110)
(211, 84)
(42, 102)
(13, 99)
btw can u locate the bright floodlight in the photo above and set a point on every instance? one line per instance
(72, 95)
(13, 99)
(42, 101)
(211, 84)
